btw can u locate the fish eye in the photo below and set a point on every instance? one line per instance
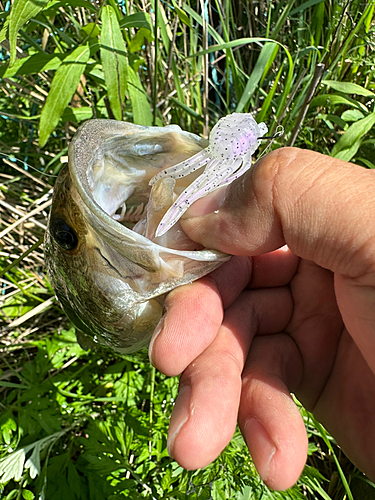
(63, 234)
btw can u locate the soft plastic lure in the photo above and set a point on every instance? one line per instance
(232, 141)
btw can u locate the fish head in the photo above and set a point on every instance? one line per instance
(108, 270)
(92, 292)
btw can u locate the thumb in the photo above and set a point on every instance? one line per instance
(321, 207)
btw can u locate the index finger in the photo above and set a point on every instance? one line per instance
(321, 207)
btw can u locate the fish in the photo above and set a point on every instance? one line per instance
(114, 246)
(232, 142)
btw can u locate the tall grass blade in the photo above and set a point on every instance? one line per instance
(268, 100)
(325, 438)
(261, 67)
(304, 6)
(63, 86)
(114, 60)
(140, 104)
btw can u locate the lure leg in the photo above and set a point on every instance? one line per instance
(182, 169)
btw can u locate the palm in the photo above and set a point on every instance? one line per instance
(261, 327)
(295, 330)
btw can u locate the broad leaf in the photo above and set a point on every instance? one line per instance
(114, 60)
(334, 99)
(348, 153)
(11, 466)
(348, 88)
(32, 64)
(352, 115)
(141, 108)
(138, 41)
(137, 20)
(22, 11)
(63, 86)
(349, 142)
(4, 30)
(77, 114)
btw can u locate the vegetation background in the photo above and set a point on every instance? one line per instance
(92, 425)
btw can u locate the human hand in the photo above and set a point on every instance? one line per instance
(275, 320)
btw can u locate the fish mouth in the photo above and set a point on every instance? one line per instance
(115, 278)
(111, 164)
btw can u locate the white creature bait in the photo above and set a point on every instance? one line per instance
(232, 141)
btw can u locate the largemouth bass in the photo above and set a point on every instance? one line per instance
(108, 267)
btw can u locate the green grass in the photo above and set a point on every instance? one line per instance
(88, 425)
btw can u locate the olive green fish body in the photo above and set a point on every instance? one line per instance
(109, 271)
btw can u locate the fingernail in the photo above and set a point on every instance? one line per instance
(156, 334)
(180, 414)
(260, 445)
(207, 204)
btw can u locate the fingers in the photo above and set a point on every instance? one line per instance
(323, 208)
(274, 268)
(268, 418)
(180, 337)
(194, 312)
(356, 299)
(346, 406)
(205, 414)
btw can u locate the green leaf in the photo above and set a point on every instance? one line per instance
(352, 115)
(348, 88)
(22, 11)
(304, 6)
(8, 427)
(4, 30)
(11, 467)
(76, 3)
(268, 100)
(137, 20)
(256, 74)
(63, 86)
(114, 60)
(164, 26)
(32, 64)
(138, 41)
(366, 162)
(77, 114)
(186, 108)
(91, 29)
(351, 139)
(74, 480)
(183, 17)
(334, 99)
(249, 40)
(348, 153)
(140, 105)
(3, 383)
(28, 495)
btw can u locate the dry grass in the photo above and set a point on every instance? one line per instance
(26, 297)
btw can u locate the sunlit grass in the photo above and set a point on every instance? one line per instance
(94, 423)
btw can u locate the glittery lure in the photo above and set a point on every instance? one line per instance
(232, 141)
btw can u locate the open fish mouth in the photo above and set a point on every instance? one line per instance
(114, 245)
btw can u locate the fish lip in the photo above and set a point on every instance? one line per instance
(85, 143)
(87, 140)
